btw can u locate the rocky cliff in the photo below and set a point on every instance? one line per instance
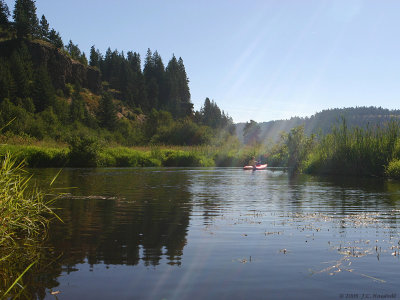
(62, 69)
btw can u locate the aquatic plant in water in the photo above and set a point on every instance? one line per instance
(24, 217)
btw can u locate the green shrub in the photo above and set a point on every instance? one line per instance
(185, 159)
(83, 151)
(393, 169)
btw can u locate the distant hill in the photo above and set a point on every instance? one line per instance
(323, 121)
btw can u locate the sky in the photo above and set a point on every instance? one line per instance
(261, 60)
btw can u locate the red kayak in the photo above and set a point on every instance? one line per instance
(257, 167)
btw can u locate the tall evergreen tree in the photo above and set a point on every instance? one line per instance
(159, 76)
(83, 60)
(22, 72)
(152, 88)
(183, 82)
(55, 39)
(107, 112)
(178, 89)
(44, 28)
(25, 18)
(4, 14)
(73, 50)
(43, 92)
(7, 84)
(95, 57)
(172, 78)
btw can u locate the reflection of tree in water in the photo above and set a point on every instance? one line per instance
(148, 210)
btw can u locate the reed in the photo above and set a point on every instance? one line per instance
(24, 217)
(24, 212)
(357, 151)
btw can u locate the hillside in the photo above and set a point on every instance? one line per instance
(61, 68)
(323, 121)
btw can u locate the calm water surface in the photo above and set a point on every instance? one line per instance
(220, 234)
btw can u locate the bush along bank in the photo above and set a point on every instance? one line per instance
(87, 152)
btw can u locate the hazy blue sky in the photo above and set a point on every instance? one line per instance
(260, 60)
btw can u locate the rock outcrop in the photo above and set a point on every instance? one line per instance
(62, 69)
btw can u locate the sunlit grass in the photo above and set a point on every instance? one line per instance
(23, 208)
(24, 217)
(141, 156)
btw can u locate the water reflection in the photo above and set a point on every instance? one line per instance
(170, 220)
(123, 216)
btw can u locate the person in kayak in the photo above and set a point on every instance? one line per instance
(253, 162)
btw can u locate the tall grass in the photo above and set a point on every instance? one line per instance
(88, 153)
(24, 217)
(355, 151)
(22, 207)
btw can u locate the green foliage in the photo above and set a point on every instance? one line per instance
(22, 72)
(211, 115)
(251, 133)
(355, 151)
(183, 132)
(278, 155)
(186, 159)
(125, 157)
(4, 14)
(25, 19)
(24, 217)
(178, 97)
(77, 109)
(34, 156)
(43, 92)
(298, 146)
(55, 39)
(95, 57)
(140, 106)
(21, 207)
(83, 151)
(393, 169)
(44, 28)
(107, 112)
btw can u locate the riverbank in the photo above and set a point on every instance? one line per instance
(86, 154)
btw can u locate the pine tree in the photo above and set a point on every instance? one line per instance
(152, 88)
(183, 82)
(159, 76)
(44, 28)
(172, 78)
(73, 50)
(21, 75)
(178, 93)
(138, 85)
(83, 60)
(107, 112)
(25, 19)
(55, 39)
(43, 91)
(95, 57)
(4, 14)
(5, 79)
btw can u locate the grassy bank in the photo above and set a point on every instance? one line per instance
(363, 152)
(87, 153)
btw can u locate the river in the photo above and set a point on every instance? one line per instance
(220, 233)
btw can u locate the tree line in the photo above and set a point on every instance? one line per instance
(138, 105)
